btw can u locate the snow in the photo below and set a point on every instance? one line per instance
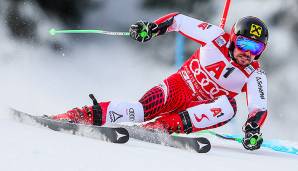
(26, 147)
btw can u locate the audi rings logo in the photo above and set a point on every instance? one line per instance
(207, 84)
(131, 114)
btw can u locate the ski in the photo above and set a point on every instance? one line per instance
(117, 133)
(198, 144)
(110, 134)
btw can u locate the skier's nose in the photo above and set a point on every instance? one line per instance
(248, 54)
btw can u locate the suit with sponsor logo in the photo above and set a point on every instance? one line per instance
(209, 80)
(200, 95)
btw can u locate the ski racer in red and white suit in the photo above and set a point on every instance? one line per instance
(201, 94)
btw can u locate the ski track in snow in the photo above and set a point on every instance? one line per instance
(26, 147)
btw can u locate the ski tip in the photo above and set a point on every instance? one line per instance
(13, 111)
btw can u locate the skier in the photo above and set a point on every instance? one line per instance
(200, 95)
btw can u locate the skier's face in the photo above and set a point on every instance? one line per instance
(243, 58)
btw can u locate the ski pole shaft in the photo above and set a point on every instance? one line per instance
(267, 144)
(53, 32)
(225, 14)
(234, 138)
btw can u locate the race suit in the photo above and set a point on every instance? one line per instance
(202, 91)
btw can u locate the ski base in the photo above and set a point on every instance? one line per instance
(115, 135)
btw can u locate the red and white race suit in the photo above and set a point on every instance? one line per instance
(205, 86)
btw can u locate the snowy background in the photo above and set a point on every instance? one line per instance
(41, 74)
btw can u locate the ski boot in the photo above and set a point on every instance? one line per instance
(89, 115)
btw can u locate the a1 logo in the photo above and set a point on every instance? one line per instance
(217, 112)
(216, 68)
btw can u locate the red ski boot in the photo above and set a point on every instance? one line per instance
(90, 115)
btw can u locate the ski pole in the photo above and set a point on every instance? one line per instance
(267, 144)
(225, 14)
(53, 32)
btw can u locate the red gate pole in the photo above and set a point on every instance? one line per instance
(225, 14)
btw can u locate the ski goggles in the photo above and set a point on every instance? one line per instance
(246, 44)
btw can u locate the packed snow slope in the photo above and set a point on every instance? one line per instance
(32, 148)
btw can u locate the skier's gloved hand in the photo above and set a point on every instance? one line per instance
(253, 138)
(143, 31)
